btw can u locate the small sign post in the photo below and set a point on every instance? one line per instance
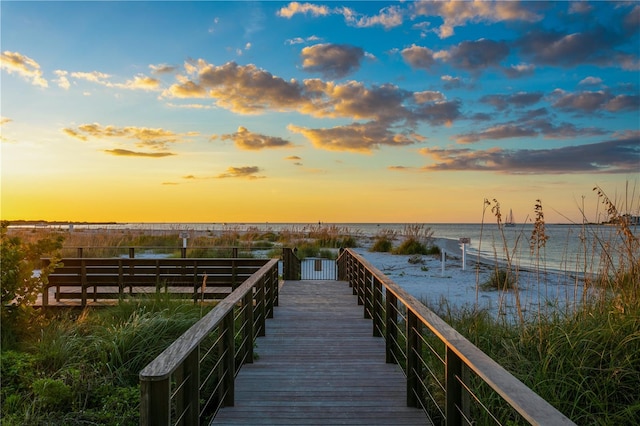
(184, 236)
(464, 241)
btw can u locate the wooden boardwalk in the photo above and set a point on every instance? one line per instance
(319, 364)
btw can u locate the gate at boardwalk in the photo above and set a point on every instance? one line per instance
(310, 268)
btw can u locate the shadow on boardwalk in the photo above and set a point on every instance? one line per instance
(319, 365)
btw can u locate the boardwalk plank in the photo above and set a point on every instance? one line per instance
(320, 365)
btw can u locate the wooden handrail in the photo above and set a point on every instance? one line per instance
(460, 356)
(175, 374)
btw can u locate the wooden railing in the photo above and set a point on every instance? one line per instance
(102, 279)
(167, 251)
(194, 377)
(448, 376)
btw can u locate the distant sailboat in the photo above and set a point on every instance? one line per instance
(510, 221)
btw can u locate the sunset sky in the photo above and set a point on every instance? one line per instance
(326, 111)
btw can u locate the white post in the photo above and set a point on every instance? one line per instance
(464, 256)
(444, 259)
(464, 241)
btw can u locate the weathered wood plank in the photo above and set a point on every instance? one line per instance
(320, 364)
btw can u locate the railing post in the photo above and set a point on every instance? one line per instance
(414, 349)
(229, 361)
(249, 332)
(377, 307)
(83, 281)
(189, 394)
(155, 406)
(79, 252)
(367, 294)
(453, 388)
(132, 252)
(261, 304)
(391, 328)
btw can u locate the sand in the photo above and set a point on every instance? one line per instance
(449, 285)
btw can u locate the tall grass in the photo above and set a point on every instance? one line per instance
(89, 363)
(585, 360)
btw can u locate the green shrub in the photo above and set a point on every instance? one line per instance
(382, 244)
(51, 393)
(411, 246)
(500, 279)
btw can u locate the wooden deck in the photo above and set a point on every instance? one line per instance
(319, 365)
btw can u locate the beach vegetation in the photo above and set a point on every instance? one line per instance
(585, 360)
(19, 285)
(82, 368)
(418, 239)
(500, 279)
(383, 241)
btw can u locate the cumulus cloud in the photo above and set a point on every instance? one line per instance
(594, 101)
(596, 46)
(450, 82)
(356, 137)
(590, 81)
(250, 90)
(142, 82)
(613, 156)
(418, 57)
(242, 89)
(518, 71)
(475, 55)
(24, 66)
(332, 60)
(246, 140)
(459, 13)
(245, 172)
(62, 80)
(294, 8)
(388, 17)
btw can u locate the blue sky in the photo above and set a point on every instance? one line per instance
(332, 111)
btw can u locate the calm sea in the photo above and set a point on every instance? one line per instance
(571, 248)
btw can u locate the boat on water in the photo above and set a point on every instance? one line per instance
(510, 221)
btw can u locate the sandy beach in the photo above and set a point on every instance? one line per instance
(449, 285)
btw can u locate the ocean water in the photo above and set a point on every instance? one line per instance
(568, 248)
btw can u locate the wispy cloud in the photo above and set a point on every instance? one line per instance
(128, 153)
(156, 139)
(24, 66)
(246, 172)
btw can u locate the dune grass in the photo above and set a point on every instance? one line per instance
(83, 368)
(585, 361)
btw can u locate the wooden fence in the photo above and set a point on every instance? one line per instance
(102, 279)
(448, 376)
(194, 377)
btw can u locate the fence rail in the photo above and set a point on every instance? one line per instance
(448, 376)
(194, 377)
(99, 279)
